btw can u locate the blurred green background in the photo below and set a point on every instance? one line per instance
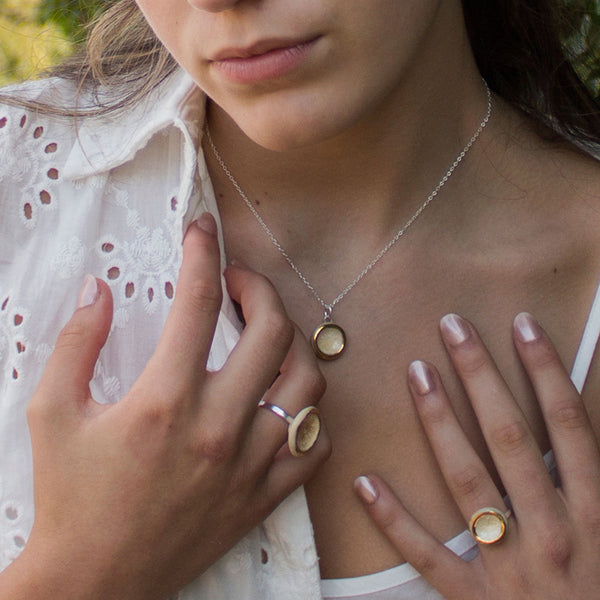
(34, 34)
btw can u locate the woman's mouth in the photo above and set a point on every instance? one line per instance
(265, 60)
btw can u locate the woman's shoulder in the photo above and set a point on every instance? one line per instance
(556, 181)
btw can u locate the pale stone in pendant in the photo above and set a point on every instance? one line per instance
(329, 341)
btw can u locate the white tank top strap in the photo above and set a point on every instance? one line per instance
(587, 345)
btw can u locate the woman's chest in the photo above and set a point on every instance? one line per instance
(369, 411)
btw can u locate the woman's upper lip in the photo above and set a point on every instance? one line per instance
(259, 47)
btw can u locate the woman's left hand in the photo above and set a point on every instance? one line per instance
(551, 547)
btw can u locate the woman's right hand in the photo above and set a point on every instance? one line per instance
(136, 499)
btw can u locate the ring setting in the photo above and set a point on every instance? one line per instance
(489, 525)
(303, 429)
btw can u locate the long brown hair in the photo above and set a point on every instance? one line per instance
(519, 51)
(517, 46)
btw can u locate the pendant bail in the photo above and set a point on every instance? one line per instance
(327, 313)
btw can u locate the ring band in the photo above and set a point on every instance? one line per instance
(489, 525)
(303, 429)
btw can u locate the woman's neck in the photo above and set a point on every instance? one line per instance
(390, 161)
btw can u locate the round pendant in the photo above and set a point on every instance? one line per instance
(328, 341)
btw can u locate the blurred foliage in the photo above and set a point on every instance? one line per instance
(70, 15)
(582, 40)
(27, 46)
(35, 34)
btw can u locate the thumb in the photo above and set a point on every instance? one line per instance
(71, 365)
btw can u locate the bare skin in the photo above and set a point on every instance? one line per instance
(515, 229)
(511, 232)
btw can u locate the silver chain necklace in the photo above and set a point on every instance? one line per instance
(329, 339)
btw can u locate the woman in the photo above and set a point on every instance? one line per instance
(345, 128)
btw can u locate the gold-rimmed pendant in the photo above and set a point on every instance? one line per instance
(328, 341)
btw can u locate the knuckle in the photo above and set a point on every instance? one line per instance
(557, 547)
(471, 360)
(423, 562)
(387, 520)
(511, 437)
(214, 447)
(71, 336)
(320, 452)
(467, 483)
(156, 421)
(314, 383)
(568, 415)
(433, 411)
(543, 355)
(204, 295)
(279, 330)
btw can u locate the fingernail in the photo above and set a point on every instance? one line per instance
(365, 489)
(207, 223)
(421, 377)
(455, 329)
(527, 328)
(88, 294)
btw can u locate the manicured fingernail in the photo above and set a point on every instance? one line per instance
(365, 489)
(455, 329)
(421, 377)
(527, 328)
(88, 294)
(207, 223)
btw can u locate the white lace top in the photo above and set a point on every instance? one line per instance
(113, 197)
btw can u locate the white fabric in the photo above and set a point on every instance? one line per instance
(113, 197)
(587, 346)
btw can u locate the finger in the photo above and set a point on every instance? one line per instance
(256, 360)
(71, 365)
(508, 436)
(571, 434)
(300, 384)
(464, 472)
(185, 342)
(444, 570)
(286, 472)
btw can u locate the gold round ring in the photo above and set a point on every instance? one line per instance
(303, 429)
(489, 525)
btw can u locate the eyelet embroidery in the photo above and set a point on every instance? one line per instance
(145, 268)
(12, 535)
(13, 344)
(32, 169)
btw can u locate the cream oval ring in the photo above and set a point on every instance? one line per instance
(303, 429)
(489, 525)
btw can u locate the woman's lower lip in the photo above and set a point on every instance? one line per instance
(270, 65)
